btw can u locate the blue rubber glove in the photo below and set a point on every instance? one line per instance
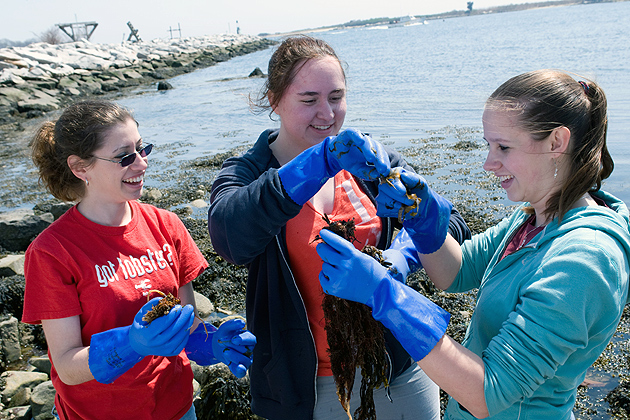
(424, 213)
(357, 153)
(230, 344)
(416, 322)
(115, 351)
(164, 336)
(402, 256)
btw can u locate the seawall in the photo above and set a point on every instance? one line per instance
(41, 77)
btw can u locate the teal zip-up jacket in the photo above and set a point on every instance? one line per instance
(545, 313)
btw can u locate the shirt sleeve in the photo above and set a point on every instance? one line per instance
(477, 254)
(248, 209)
(50, 288)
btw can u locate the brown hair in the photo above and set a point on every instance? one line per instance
(285, 62)
(548, 99)
(77, 132)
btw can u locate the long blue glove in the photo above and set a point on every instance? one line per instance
(230, 344)
(357, 153)
(114, 352)
(424, 213)
(402, 256)
(416, 322)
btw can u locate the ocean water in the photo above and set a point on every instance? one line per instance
(410, 83)
(407, 86)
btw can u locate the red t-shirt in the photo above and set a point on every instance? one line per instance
(103, 274)
(350, 202)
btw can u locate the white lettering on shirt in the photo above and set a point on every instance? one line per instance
(131, 267)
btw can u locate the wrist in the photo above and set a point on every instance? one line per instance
(303, 176)
(416, 322)
(111, 355)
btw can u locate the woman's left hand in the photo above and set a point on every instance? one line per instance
(347, 272)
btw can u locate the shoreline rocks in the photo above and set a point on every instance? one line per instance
(41, 77)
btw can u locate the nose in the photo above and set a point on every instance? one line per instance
(326, 110)
(491, 164)
(140, 162)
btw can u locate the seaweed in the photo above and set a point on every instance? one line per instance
(355, 339)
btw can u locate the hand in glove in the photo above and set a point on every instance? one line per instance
(424, 213)
(402, 257)
(357, 153)
(230, 344)
(416, 322)
(164, 336)
(115, 351)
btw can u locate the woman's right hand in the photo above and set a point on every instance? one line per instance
(359, 154)
(304, 175)
(164, 336)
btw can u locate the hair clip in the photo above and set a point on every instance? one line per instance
(584, 86)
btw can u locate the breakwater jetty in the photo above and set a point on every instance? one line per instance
(42, 77)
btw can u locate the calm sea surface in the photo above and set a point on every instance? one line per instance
(410, 82)
(406, 85)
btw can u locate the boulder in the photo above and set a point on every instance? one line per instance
(42, 401)
(9, 341)
(11, 382)
(11, 265)
(204, 305)
(16, 235)
(17, 413)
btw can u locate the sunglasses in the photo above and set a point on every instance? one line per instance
(131, 157)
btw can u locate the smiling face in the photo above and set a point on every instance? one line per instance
(109, 182)
(524, 166)
(314, 105)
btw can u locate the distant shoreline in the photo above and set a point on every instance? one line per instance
(365, 23)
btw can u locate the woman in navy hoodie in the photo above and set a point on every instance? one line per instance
(267, 206)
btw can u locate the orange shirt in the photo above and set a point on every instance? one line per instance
(350, 202)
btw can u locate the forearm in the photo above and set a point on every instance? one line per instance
(72, 366)
(186, 294)
(67, 352)
(459, 372)
(443, 265)
(243, 219)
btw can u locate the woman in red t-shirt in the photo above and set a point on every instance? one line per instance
(90, 275)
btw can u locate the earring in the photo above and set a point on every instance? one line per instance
(555, 172)
(87, 182)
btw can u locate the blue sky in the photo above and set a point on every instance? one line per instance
(26, 19)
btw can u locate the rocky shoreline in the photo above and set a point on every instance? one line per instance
(41, 77)
(25, 389)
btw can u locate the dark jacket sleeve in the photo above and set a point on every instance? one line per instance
(248, 206)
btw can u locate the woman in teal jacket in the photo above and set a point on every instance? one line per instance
(552, 278)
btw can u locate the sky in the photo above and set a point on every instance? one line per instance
(22, 20)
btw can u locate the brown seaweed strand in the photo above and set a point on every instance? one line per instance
(354, 339)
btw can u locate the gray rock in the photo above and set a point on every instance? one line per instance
(16, 235)
(41, 364)
(14, 94)
(11, 382)
(199, 203)
(11, 265)
(42, 401)
(10, 341)
(162, 85)
(39, 104)
(21, 398)
(204, 305)
(17, 413)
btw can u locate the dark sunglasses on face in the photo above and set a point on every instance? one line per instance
(131, 157)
